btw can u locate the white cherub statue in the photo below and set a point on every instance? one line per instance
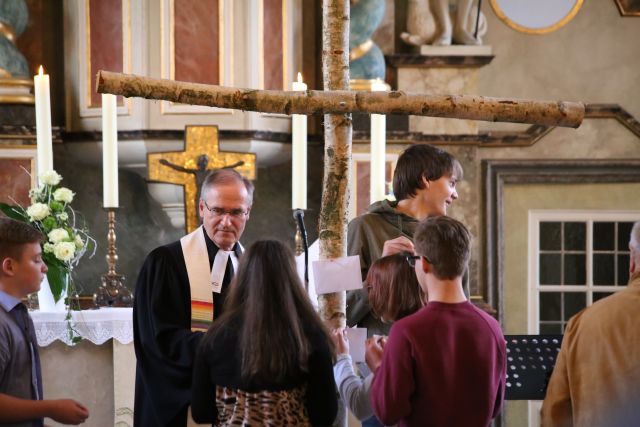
(433, 22)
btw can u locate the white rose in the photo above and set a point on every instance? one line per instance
(63, 194)
(38, 211)
(63, 216)
(50, 178)
(79, 242)
(64, 251)
(58, 235)
(48, 247)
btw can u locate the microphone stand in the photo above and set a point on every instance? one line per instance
(302, 243)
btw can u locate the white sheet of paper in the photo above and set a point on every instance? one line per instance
(357, 338)
(338, 274)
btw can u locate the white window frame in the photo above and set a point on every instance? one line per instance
(589, 217)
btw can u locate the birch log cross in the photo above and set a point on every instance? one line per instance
(337, 102)
(469, 107)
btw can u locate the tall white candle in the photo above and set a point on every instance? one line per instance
(109, 151)
(378, 149)
(43, 121)
(299, 155)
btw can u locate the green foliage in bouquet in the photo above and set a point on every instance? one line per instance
(65, 242)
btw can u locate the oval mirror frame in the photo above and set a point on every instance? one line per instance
(536, 30)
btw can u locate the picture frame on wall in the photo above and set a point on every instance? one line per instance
(17, 174)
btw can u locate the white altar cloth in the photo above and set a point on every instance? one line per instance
(97, 326)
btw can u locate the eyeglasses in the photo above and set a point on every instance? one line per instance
(411, 259)
(219, 212)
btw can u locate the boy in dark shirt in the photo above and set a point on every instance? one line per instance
(21, 271)
(445, 364)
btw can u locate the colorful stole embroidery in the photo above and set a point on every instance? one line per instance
(196, 258)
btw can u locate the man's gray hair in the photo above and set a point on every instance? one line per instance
(634, 240)
(226, 176)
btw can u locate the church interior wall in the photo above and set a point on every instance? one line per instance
(519, 200)
(588, 60)
(591, 59)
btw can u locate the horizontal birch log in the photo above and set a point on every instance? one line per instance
(470, 107)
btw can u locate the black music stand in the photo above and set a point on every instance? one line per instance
(530, 361)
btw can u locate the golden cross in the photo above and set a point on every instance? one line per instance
(183, 168)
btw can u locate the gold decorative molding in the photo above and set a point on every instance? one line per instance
(8, 32)
(286, 78)
(360, 50)
(523, 29)
(199, 140)
(363, 84)
(17, 82)
(19, 97)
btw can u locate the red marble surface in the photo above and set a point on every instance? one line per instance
(106, 43)
(196, 37)
(272, 29)
(363, 171)
(15, 183)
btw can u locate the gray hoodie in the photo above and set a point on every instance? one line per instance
(366, 236)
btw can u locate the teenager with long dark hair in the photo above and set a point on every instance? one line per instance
(268, 359)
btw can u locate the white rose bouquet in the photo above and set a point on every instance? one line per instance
(51, 213)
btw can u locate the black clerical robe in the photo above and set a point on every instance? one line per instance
(164, 344)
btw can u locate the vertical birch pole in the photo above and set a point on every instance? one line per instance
(337, 152)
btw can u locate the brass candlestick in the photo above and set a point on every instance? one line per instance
(301, 242)
(112, 292)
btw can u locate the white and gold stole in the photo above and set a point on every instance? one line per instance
(201, 280)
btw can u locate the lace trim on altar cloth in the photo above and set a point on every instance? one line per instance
(97, 326)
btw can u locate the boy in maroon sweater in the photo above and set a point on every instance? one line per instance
(444, 365)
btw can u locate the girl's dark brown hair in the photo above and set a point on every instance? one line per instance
(394, 291)
(274, 314)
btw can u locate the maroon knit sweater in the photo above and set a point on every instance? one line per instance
(444, 365)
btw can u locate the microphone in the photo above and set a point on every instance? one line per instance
(298, 215)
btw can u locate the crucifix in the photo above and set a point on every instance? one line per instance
(337, 103)
(189, 167)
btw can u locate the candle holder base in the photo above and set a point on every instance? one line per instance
(112, 292)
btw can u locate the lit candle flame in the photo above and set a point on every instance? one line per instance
(299, 77)
(40, 71)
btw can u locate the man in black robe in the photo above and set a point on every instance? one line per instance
(170, 313)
